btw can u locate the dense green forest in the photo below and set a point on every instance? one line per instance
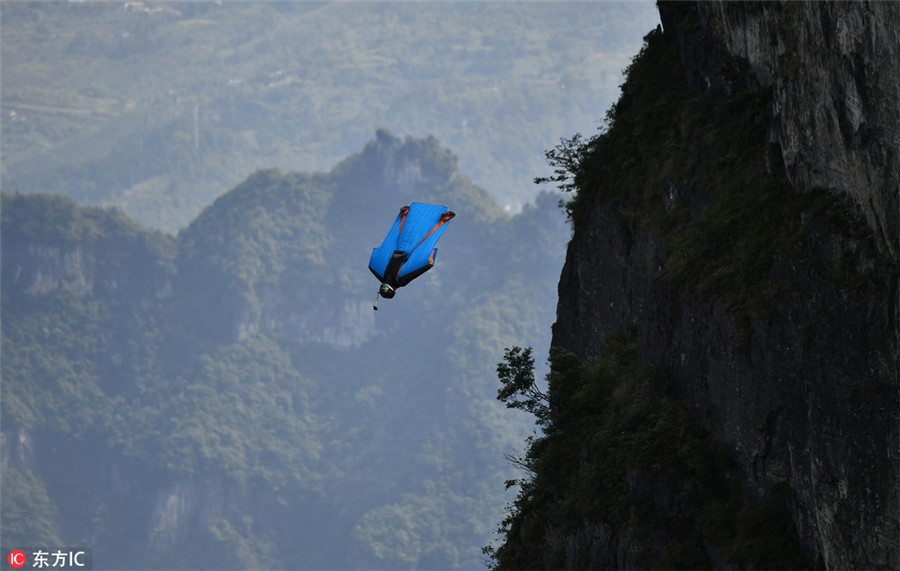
(157, 107)
(227, 398)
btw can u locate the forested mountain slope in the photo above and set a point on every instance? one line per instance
(227, 398)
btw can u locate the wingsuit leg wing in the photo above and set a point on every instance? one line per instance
(381, 256)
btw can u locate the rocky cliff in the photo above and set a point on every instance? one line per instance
(87, 251)
(757, 258)
(833, 69)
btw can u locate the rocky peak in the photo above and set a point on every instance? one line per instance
(411, 164)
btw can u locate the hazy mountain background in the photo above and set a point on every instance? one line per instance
(228, 399)
(195, 378)
(157, 108)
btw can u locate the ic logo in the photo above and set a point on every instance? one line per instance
(16, 558)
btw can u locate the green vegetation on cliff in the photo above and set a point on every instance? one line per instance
(618, 451)
(698, 171)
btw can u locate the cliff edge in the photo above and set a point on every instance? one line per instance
(737, 225)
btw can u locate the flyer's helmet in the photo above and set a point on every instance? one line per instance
(386, 291)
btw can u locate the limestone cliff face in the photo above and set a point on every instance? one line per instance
(405, 166)
(89, 251)
(807, 399)
(833, 68)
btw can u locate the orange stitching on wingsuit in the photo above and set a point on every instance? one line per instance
(403, 212)
(438, 225)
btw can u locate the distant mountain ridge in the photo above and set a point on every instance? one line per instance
(156, 112)
(231, 390)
